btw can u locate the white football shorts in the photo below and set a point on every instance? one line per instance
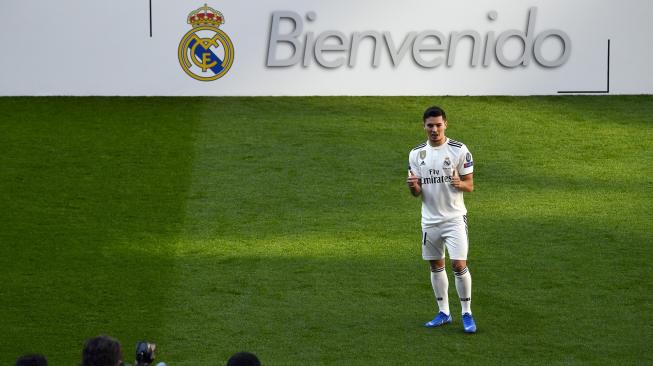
(452, 234)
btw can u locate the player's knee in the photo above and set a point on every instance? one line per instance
(459, 265)
(436, 265)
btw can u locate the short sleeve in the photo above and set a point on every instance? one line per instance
(466, 162)
(412, 163)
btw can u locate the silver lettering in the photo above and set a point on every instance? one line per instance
(289, 46)
(291, 38)
(356, 39)
(565, 43)
(398, 54)
(526, 39)
(419, 46)
(476, 46)
(321, 46)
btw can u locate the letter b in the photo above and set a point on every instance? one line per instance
(291, 38)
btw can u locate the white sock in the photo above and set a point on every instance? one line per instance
(440, 284)
(464, 288)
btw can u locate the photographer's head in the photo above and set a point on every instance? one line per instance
(32, 360)
(102, 351)
(243, 359)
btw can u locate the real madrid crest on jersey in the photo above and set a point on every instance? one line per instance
(446, 166)
(206, 52)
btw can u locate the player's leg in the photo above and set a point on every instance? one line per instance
(440, 284)
(458, 246)
(463, 284)
(464, 289)
(433, 251)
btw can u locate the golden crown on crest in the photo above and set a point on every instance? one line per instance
(205, 16)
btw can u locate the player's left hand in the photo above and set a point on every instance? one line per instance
(455, 180)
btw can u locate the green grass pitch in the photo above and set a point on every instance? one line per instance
(283, 226)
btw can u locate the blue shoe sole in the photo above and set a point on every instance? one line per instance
(436, 325)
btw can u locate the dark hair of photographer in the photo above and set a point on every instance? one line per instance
(102, 351)
(244, 359)
(32, 360)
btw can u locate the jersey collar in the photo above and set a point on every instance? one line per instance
(446, 141)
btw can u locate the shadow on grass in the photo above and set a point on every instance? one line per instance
(93, 191)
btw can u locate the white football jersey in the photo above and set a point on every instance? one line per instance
(435, 166)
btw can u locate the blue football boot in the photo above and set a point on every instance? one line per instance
(440, 319)
(468, 323)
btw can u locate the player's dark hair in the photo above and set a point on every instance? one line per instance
(101, 351)
(434, 112)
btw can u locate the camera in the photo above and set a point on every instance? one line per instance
(145, 353)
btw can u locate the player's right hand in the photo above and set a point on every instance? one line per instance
(413, 181)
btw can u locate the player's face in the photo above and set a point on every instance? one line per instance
(434, 127)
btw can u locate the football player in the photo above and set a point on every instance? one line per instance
(439, 171)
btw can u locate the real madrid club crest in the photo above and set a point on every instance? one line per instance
(446, 166)
(447, 162)
(206, 52)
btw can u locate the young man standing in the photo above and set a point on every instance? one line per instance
(440, 170)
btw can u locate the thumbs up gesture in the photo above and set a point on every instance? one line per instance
(414, 183)
(455, 179)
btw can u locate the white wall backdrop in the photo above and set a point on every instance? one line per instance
(92, 47)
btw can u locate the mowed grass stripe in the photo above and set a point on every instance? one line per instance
(92, 193)
(272, 202)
